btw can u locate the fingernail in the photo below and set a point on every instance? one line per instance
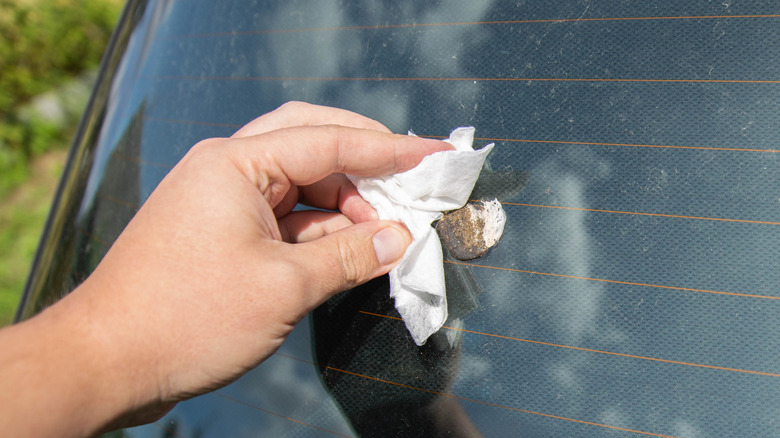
(389, 245)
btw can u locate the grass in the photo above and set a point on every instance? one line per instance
(22, 216)
(45, 49)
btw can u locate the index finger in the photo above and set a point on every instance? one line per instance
(304, 155)
(293, 114)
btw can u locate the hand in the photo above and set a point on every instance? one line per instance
(216, 268)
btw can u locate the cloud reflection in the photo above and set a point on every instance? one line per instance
(556, 242)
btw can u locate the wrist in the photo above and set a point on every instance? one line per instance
(51, 385)
(63, 375)
(114, 367)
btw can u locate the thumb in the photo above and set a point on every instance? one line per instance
(352, 256)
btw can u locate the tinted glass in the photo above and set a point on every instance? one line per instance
(635, 289)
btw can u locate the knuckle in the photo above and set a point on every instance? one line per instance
(204, 151)
(339, 134)
(293, 106)
(354, 263)
(207, 147)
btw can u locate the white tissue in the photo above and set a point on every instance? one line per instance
(442, 181)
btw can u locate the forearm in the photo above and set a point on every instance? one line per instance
(59, 377)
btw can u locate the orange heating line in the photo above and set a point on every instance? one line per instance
(466, 23)
(592, 143)
(516, 140)
(495, 405)
(549, 344)
(227, 397)
(678, 216)
(118, 201)
(630, 283)
(141, 161)
(192, 122)
(449, 79)
(558, 417)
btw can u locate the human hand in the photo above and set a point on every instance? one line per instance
(216, 268)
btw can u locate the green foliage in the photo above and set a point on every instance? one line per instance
(44, 43)
(44, 46)
(21, 219)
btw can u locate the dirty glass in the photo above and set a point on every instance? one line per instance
(635, 290)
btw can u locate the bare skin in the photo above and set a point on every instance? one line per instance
(211, 275)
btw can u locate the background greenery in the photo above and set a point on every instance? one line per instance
(49, 50)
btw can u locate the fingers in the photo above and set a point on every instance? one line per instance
(293, 114)
(308, 225)
(334, 192)
(301, 156)
(351, 256)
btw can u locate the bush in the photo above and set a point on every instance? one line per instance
(44, 43)
(46, 47)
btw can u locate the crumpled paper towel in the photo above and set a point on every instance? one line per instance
(442, 181)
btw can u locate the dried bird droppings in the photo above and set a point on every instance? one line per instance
(470, 231)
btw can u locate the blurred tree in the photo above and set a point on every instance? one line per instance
(43, 43)
(44, 46)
